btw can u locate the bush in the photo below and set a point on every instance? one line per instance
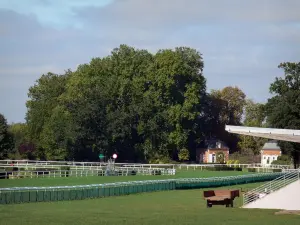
(238, 169)
(67, 169)
(119, 173)
(220, 168)
(155, 172)
(133, 172)
(251, 170)
(3, 175)
(184, 154)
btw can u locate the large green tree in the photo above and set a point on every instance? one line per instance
(44, 98)
(140, 105)
(6, 140)
(283, 109)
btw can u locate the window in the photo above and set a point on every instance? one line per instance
(264, 157)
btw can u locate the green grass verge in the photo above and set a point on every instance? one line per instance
(163, 208)
(30, 182)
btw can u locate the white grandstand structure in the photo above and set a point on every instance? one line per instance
(283, 192)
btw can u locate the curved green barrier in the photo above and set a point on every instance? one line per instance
(79, 192)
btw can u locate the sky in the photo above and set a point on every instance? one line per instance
(242, 41)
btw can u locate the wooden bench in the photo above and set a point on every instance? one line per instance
(220, 197)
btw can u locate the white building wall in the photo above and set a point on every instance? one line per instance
(264, 159)
(287, 198)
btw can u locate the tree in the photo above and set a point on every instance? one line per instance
(140, 105)
(282, 160)
(283, 109)
(23, 147)
(184, 154)
(234, 100)
(229, 104)
(254, 117)
(44, 97)
(6, 140)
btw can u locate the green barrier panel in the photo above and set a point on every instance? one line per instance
(32, 196)
(53, 195)
(117, 191)
(101, 192)
(47, 196)
(106, 191)
(79, 194)
(3, 198)
(25, 196)
(60, 195)
(17, 197)
(73, 195)
(66, 194)
(84, 193)
(40, 196)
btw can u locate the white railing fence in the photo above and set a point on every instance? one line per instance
(289, 177)
(100, 165)
(83, 173)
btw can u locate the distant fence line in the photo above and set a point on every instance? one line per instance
(78, 192)
(101, 165)
(83, 173)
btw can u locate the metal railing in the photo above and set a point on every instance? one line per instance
(287, 178)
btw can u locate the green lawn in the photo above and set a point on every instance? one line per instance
(159, 208)
(98, 180)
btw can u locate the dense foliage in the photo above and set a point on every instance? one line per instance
(143, 106)
(283, 109)
(6, 140)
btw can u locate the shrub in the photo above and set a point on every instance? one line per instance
(133, 172)
(220, 157)
(220, 168)
(67, 169)
(251, 170)
(155, 172)
(183, 154)
(3, 175)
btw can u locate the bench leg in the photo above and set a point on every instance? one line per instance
(208, 204)
(226, 202)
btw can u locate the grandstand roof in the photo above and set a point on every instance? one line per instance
(270, 133)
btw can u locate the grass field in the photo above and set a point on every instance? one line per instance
(97, 180)
(159, 208)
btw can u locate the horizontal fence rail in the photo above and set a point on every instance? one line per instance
(99, 165)
(84, 173)
(59, 193)
(285, 179)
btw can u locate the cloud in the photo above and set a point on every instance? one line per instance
(242, 42)
(54, 13)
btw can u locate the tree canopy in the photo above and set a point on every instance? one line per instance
(283, 109)
(151, 107)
